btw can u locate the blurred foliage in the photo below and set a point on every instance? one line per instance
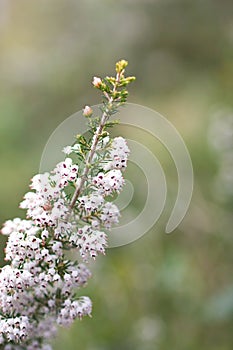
(162, 291)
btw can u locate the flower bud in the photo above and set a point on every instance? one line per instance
(97, 82)
(87, 111)
(121, 65)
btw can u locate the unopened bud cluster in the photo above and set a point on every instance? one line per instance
(67, 208)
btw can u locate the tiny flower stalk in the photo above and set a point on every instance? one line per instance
(67, 208)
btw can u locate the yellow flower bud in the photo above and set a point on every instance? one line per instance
(121, 65)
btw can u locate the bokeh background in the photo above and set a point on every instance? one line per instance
(163, 291)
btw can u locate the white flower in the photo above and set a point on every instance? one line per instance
(76, 147)
(118, 154)
(91, 202)
(67, 150)
(15, 329)
(66, 171)
(56, 247)
(110, 215)
(40, 181)
(63, 230)
(97, 82)
(74, 309)
(16, 225)
(89, 241)
(109, 182)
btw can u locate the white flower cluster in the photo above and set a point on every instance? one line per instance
(118, 154)
(37, 287)
(47, 204)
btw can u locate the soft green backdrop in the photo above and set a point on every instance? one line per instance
(161, 292)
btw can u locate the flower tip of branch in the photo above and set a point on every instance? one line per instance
(87, 111)
(97, 82)
(121, 65)
(131, 78)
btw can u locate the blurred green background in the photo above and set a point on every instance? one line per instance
(163, 291)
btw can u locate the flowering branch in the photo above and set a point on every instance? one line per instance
(89, 159)
(66, 209)
(112, 96)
